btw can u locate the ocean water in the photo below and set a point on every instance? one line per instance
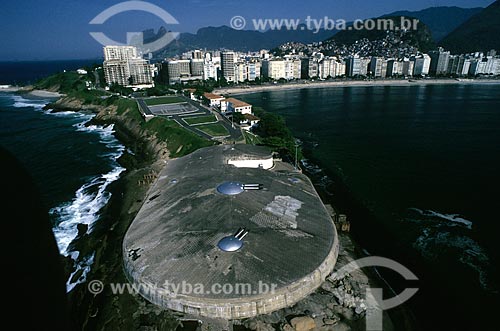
(424, 162)
(28, 72)
(72, 164)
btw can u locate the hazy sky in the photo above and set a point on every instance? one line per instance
(59, 29)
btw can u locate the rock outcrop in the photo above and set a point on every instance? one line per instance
(304, 323)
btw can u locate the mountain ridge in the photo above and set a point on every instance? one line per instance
(441, 20)
(480, 33)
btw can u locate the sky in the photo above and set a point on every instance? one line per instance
(59, 29)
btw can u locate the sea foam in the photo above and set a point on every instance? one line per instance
(450, 219)
(433, 243)
(20, 102)
(90, 198)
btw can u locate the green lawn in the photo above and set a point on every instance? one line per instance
(251, 139)
(179, 141)
(163, 101)
(215, 130)
(200, 119)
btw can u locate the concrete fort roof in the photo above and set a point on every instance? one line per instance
(291, 241)
(246, 152)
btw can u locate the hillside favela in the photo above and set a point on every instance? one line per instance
(251, 166)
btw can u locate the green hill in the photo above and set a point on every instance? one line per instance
(441, 20)
(420, 38)
(480, 33)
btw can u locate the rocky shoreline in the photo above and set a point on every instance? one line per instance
(144, 155)
(337, 305)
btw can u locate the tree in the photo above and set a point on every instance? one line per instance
(199, 92)
(238, 117)
(122, 90)
(223, 82)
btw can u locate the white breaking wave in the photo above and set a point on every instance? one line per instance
(84, 209)
(430, 244)
(438, 241)
(20, 102)
(452, 219)
(107, 138)
(83, 265)
(69, 114)
(312, 168)
(89, 199)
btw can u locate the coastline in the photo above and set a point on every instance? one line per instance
(349, 83)
(30, 91)
(45, 94)
(338, 195)
(128, 194)
(142, 156)
(9, 89)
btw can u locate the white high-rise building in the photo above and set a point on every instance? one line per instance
(394, 67)
(422, 65)
(120, 53)
(228, 62)
(293, 68)
(182, 70)
(478, 66)
(123, 66)
(254, 70)
(439, 61)
(466, 67)
(210, 71)
(408, 67)
(364, 64)
(325, 68)
(353, 66)
(197, 55)
(330, 67)
(376, 65)
(340, 69)
(491, 65)
(274, 69)
(496, 66)
(282, 69)
(196, 66)
(241, 72)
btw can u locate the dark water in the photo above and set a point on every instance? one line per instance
(28, 72)
(72, 164)
(424, 163)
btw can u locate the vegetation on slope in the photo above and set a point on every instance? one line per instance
(123, 112)
(480, 33)
(274, 133)
(440, 20)
(420, 38)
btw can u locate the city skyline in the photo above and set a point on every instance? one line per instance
(62, 29)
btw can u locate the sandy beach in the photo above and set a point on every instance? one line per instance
(245, 89)
(45, 94)
(9, 89)
(29, 90)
